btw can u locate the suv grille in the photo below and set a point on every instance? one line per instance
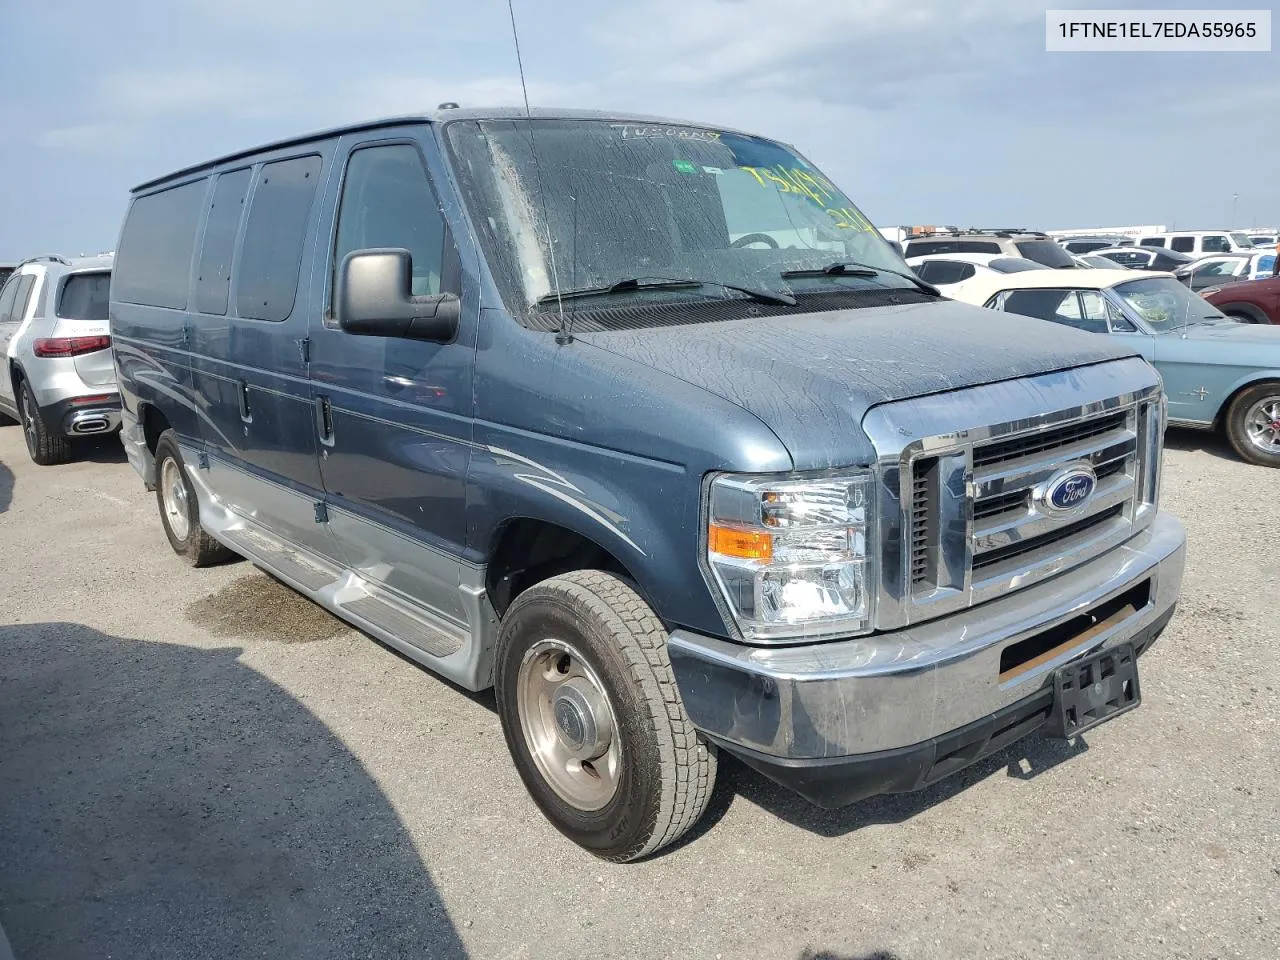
(1047, 439)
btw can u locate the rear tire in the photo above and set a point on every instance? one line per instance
(46, 447)
(1253, 424)
(593, 719)
(180, 509)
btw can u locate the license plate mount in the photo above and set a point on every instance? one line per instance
(1093, 690)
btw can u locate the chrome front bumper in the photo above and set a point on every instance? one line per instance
(896, 691)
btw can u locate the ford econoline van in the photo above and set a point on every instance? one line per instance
(643, 423)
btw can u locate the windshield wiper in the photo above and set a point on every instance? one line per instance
(664, 283)
(853, 268)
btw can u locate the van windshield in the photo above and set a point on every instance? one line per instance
(606, 201)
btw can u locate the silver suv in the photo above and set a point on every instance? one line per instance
(58, 378)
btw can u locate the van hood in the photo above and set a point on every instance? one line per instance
(812, 377)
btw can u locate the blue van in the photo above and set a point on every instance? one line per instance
(645, 425)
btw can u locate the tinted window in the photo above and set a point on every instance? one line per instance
(213, 279)
(5, 274)
(271, 255)
(1086, 246)
(1128, 258)
(923, 248)
(1151, 242)
(945, 271)
(387, 202)
(1183, 244)
(1215, 244)
(1014, 265)
(85, 296)
(1046, 252)
(153, 266)
(1170, 260)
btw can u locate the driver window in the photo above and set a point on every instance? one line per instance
(387, 201)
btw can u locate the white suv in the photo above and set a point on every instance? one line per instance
(58, 378)
(1200, 243)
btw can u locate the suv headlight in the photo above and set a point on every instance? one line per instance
(789, 555)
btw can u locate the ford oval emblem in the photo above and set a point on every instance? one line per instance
(1069, 489)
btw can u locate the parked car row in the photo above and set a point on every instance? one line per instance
(651, 432)
(1218, 374)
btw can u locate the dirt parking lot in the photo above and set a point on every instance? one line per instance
(203, 764)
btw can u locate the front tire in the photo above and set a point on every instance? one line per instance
(1253, 424)
(593, 719)
(46, 447)
(180, 509)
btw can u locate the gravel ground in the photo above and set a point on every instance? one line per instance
(203, 764)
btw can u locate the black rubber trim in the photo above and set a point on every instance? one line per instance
(838, 781)
(55, 415)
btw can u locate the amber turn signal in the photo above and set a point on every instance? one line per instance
(744, 544)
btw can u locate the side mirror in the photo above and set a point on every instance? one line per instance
(374, 299)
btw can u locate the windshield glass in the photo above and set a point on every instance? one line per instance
(1241, 240)
(616, 201)
(1166, 305)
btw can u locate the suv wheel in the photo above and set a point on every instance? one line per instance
(1253, 424)
(46, 447)
(592, 717)
(180, 509)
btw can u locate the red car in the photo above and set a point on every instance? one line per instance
(1254, 301)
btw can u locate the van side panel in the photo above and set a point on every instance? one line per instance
(152, 352)
(249, 368)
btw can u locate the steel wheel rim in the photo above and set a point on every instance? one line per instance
(173, 496)
(1262, 424)
(568, 725)
(29, 430)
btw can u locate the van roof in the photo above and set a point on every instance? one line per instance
(433, 116)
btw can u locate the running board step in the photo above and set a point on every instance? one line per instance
(286, 562)
(404, 625)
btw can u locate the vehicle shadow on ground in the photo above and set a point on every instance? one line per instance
(163, 801)
(6, 487)
(1200, 441)
(106, 449)
(1023, 760)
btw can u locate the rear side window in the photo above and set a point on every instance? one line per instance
(1218, 244)
(1151, 242)
(153, 265)
(1046, 252)
(1183, 244)
(945, 271)
(923, 248)
(271, 255)
(85, 296)
(213, 279)
(13, 299)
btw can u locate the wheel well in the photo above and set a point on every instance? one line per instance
(15, 377)
(1220, 421)
(1249, 310)
(154, 423)
(526, 552)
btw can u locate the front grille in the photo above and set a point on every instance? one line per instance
(1045, 440)
(1023, 547)
(921, 519)
(1015, 538)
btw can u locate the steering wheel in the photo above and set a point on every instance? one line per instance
(755, 238)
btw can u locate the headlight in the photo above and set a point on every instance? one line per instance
(789, 556)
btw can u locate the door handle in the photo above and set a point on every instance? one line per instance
(324, 420)
(242, 394)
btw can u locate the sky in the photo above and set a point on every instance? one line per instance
(924, 111)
